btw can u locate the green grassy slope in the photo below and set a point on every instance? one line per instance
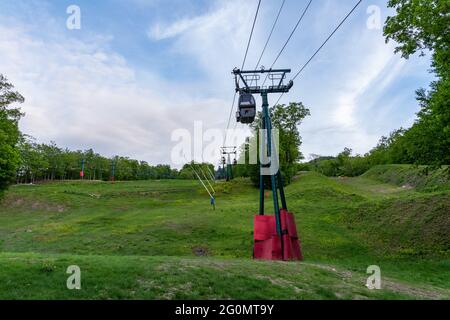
(422, 178)
(160, 239)
(28, 276)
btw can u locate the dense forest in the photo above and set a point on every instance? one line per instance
(48, 162)
(41, 162)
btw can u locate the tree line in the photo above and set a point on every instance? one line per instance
(48, 162)
(40, 162)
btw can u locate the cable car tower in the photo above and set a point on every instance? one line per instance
(275, 236)
(228, 151)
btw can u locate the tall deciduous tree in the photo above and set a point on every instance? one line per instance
(285, 118)
(9, 133)
(421, 26)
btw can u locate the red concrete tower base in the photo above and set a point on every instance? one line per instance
(269, 246)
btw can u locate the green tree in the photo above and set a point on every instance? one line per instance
(192, 169)
(285, 118)
(421, 26)
(33, 162)
(9, 133)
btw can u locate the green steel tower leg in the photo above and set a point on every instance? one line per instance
(266, 119)
(281, 186)
(261, 177)
(231, 172)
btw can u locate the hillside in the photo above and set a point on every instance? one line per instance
(421, 178)
(161, 239)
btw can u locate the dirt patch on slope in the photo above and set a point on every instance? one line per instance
(31, 204)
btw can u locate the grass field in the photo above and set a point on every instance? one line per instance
(161, 239)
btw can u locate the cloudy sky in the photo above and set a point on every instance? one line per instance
(139, 70)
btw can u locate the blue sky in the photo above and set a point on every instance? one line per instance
(139, 69)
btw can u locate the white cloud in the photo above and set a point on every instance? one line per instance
(214, 41)
(159, 32)
(82, 95)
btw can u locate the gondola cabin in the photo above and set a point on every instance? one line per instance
(247, 108)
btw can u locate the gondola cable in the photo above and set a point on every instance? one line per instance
(229, 118)
(207, 180)
(269, 37)
(201, 181)
(329, 37)
(211, 174)
(198, 177)
(321, 47)
(251, 34)
(243, 64)
(270, 34)
(289, 38)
